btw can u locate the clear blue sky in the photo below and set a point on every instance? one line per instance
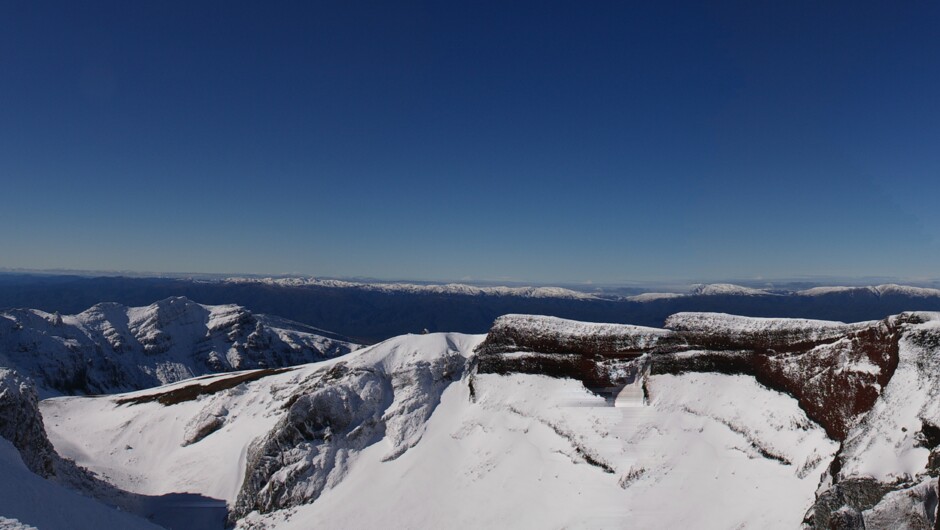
(544, 142)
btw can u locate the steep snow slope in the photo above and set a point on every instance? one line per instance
(198, 442)
(717, 422)
(405, 434)
(885, 475)
(892, 441)
(112, 348)
(32, 474)
(540, 452)
(30, 501)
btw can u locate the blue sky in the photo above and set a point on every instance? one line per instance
(540, 141)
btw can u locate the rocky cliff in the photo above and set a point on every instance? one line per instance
(873, 386)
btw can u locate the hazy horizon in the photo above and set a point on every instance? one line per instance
(678, 285)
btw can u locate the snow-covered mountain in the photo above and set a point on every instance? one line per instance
(112, 348)
(884, 290)
(372, 312)
(715, 421)
(412, 288)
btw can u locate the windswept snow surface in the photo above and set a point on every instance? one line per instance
(30, 501)
(520, 451)
(540, 452)
(142, 447)
(561, 329)
(725, 323)
(153, 449)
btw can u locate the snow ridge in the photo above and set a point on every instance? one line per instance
(112, 348)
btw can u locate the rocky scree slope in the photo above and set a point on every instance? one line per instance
(113, 348)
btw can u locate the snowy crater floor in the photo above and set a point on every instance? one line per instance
(391, 436)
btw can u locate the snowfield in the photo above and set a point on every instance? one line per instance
(716, 421)
(539, 452)
(30, 501)
(477, 457)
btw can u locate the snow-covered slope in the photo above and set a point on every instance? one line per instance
(28, 501)
(702, 289)
(200, 436)
(718, 422)
(884, 290)
(542, 334)
(725, 289)
(401, 435)
(112, 348)
(529, 451)
(886, 471)
(32, 494)
(340, 443)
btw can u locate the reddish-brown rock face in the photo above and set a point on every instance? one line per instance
(838, 382)
(836, 371)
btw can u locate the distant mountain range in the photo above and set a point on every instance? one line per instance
(370, 312)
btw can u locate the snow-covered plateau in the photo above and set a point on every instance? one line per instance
(714, 421)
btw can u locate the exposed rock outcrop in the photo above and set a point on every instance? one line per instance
(21, 423)
(336, 413)
(835, 370)
(875, 386)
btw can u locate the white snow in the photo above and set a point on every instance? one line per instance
(515, 459)
(725, 289)
(143, 448)
(111, 347)
(702, 289)
(411, 288)
(560, 327)
(889, 289)
(650, 297)
(884, 445)
(724, 323)
(30, 501)
(709, 451)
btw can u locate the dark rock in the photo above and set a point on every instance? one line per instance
(21, 423)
